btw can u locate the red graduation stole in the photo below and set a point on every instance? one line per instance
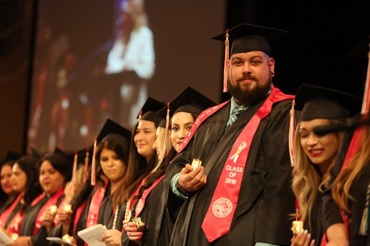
(131, 200)
(77, 217)
(5, 215)
(225, 198)
(94, 209)
(14, 226)
(202, 117)
(40, 216)
(141, 203)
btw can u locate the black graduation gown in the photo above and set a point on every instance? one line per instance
(157, 214)
(107, 213)
(29, 221)
(5, 203)
(265, 199)
(158, 222)
(331, 211)
(359, 192)
(316, 225)
(104, 217)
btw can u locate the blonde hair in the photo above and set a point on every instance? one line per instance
(343, 182)
(136, 10)
(307, 178)
(71, 191)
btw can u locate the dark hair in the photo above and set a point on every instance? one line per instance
(116, 143)
(60, 163)
(121, 146)
(3, 196)
(28, 164)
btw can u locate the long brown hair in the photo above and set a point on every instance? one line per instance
(344, 180)
(137, 169)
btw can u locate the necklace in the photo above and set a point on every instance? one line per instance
(127, 212)
(115, 218)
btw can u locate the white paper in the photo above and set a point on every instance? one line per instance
(92, 235)
(59, 241)
(4, 239)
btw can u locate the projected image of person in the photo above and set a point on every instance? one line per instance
(132, 55)
(50, 109)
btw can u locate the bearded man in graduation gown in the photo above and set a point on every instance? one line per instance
(241, 194)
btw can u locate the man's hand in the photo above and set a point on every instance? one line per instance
(192, 180)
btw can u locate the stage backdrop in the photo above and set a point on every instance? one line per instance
(101, 59)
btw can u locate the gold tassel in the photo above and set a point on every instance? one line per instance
(74, 173)
(365, 216)
(86, 166)
(366, 97)
(291, 133)
(226, 63)
(166, 131)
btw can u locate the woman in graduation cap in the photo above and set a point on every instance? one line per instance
(315, 155)
(100, 200)
(76, 196)
(24, 180)
(158, 217)
(55, 171)
(351, 191)
(351, 188)
(143, 158)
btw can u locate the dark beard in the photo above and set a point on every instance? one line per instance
(250, 95)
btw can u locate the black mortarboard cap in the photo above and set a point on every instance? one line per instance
(64, 154)
(35, 153)
(247, 37)
(81, 154)
(149, 111)
(112, 127)
(10, 156)
(316, 102)
(162, 123)
(189, 101)
(59, 151)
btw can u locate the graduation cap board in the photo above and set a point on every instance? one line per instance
(10, 156)
(248, 37)
(109, 129)
(149, 111)
(316, 102)
(112, 127)
(35, 153)
(189, 101)
(80, 157)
